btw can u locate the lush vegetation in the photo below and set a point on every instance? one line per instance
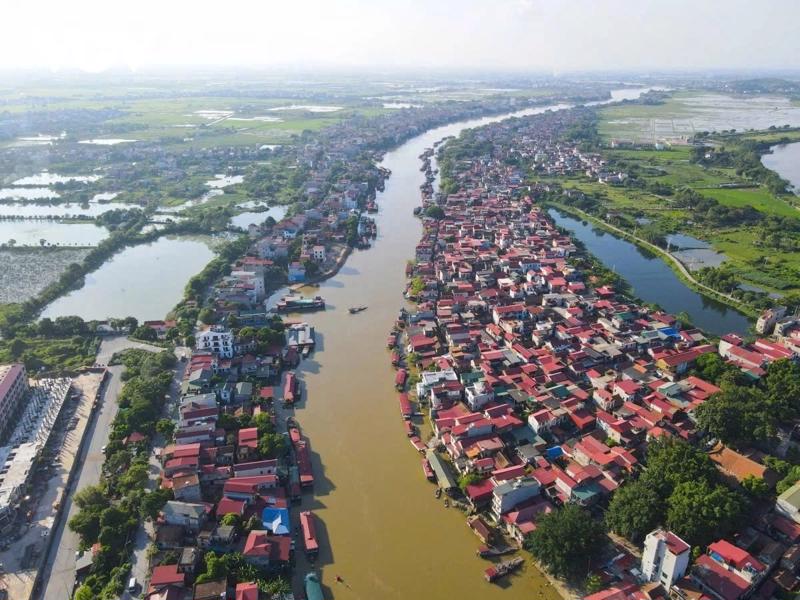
(566, 541)
(680, 489)
(110, 512)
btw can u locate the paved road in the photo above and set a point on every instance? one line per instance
(140, 567)
(59, 571)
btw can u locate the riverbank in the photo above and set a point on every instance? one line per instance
(669, 259)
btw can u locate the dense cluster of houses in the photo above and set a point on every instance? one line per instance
(545, 386)
(217, 468)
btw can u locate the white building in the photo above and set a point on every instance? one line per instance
(318, 253)
(665, 557)
(216, 340)
(510, 494)
(478, 395)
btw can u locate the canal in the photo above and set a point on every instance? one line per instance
(651, 278)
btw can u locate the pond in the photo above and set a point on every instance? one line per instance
(28, 193)
(245, 219)
(144, 281)
(92, 209)
(47, 178)
(652, 279)
(106, 141)
(785, 161)
(29, 232)
(682, 241)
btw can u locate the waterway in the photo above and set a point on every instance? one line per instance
(652, 279)
(382, 530)
(144, 281)
(785, 161)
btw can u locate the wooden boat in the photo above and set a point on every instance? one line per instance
(395, 358)
(417, 443)
(489, 551)
(310, 543)
(356, 309)
(400, 379)
(291, 389)
(410, 429)
(429, 474)
(405, 407)
(502, 569)
(391, 340)
(295, 303)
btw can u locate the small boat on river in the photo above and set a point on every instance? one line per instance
(356, 309)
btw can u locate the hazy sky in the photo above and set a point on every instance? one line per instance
(551, 35)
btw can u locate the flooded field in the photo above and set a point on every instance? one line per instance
(687, 113)
(41, 232)
(26, 272)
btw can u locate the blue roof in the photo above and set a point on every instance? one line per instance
(554, 452)
(276, 520)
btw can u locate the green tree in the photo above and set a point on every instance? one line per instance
(166, 428)
(434, 212)
(635, 510)
(755, 486)
(671, 461)
(272, 445)
(469, 478)
(207, 316)
(738, 415)
(593, 584)
(231, 519)
(566, 541)
(700, 512)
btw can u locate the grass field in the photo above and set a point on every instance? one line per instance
(758, 198)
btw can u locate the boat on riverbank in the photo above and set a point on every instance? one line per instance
(405, 406)
(502, 569)
(301, 455)
(400, 379)
(295, 303)
(308, 526)
(291, 389)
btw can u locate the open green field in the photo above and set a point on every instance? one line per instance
(759, 198)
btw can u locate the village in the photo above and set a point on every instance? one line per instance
(529, 383)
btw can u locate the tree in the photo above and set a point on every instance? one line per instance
(166, 428)
(738, 415)
(593, 584)
(152, 502)
(671, 462)
(434, 212)
(143, 332)
(272, 445)
(469, 478)
(700, 512)
(755, 486)
(231, 519)
(207, 316)
(84, 593)
(566, 541)
(635, 510)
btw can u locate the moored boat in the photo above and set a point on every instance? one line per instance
(308, 525)
(502, 569)
(296, 303)
(400, 379)
(405, 406)
(429, 474)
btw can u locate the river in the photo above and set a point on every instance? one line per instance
(652, 279)
(785, 161)
(382, 530)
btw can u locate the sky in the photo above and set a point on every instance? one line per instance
(554, 36)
